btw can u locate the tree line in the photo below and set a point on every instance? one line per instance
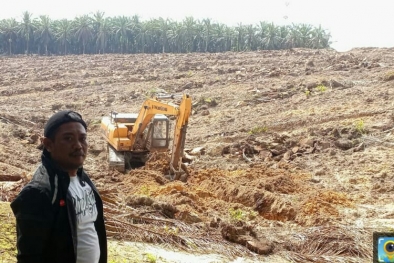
(98, 34)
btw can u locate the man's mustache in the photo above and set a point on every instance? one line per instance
(78, 153)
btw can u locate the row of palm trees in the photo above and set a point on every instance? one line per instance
(92, 34)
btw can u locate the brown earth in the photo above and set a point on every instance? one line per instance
(296, 146)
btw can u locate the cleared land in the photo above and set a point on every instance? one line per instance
(295, 163)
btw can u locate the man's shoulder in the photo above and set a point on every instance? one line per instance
(39, 188)
(40, 178)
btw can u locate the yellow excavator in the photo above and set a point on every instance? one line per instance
(131, 137)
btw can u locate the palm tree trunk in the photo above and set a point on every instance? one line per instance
(27, 44)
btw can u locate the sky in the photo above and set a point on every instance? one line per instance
(361, 23)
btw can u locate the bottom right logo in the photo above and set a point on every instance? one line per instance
(383, 247)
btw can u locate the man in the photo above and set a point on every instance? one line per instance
(59, 213)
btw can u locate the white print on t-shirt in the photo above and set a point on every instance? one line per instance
(88, 250)
(85, 205)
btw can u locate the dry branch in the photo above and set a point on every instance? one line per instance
(10, 178)
(332, 244)
(130, 226)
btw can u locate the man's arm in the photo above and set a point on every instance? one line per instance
(34, 217)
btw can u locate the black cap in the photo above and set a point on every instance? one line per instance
(60, 118)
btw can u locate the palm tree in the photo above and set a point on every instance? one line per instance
(189, 25)
(320, 39)
(163, 27)
(250, 37)
(83, 30)
(98, 19)
(292, 39)
(198, 39)
(272, 39)
(218, 37)
(175, 37)
(229, 38)
(63, 32)
(240, 37)
(283, 32)
(261, 31)
(44, 31)
(27, 28)
(9, 28)
(136, 26)
(142, 38)
(2, 48)
(122, 30)
(104, 32)
(207, 33)
(305, 32)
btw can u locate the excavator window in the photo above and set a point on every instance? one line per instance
(160, 133)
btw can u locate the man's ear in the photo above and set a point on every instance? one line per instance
(48, 144)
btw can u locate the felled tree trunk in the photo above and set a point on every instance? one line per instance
(8, 177)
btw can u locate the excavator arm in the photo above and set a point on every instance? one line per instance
(149, 109)
(178, 145)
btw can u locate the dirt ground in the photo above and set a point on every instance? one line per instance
(295, 147)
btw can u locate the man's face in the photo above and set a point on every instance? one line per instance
(68, 148)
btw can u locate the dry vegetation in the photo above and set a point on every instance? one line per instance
(295, 149)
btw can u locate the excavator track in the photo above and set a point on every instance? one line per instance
(116, 159)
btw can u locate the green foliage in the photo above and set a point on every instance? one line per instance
(95, 122)
(144, 190)
(237, 214)
(151, 258)
(321, 88)
(258, 129)
(171, 230)
(307, 93)
(360, 126)
(96, 33)
(191, 244)
(241, 215)
(211, 102)
(116, 255)
(113, 260)
(151, 93)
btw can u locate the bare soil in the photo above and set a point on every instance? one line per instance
(295, 147)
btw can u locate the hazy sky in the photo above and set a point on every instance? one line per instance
(361, 23)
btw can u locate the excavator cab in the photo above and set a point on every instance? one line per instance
(160, 132)
(117, 127)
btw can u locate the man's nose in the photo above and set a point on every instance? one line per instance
(77, 144)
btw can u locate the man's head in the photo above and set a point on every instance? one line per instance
(65, 139)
